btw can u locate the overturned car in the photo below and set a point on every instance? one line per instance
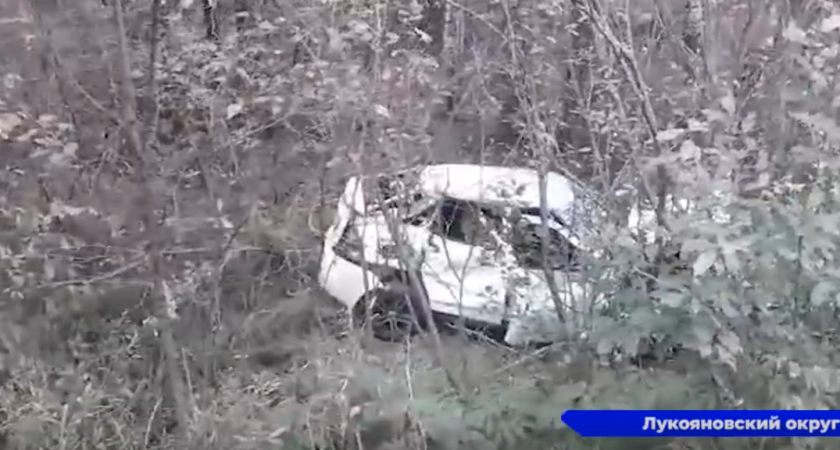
(457, 242)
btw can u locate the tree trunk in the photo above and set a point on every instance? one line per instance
(434, 25)
(131, 128)
(211, 25)
(693, 30)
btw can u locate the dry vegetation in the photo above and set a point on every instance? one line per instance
(167, 168)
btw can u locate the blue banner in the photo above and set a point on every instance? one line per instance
(693, 423)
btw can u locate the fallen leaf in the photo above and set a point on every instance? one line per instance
(234, 110)
(70, 149)
(382, 111)
(728, 104)
(830, 24)
(704, 262)
(8, 123)
(669, 135)
(821, 293)
(795, 34)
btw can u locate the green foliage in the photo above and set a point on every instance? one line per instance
(755, 317)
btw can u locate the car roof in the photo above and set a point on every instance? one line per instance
(497, 185)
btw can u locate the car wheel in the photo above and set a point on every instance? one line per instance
(395, 313)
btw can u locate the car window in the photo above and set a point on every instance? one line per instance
(524, 238)
(463, 222)
(481, 226)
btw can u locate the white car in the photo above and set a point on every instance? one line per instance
(461, 241)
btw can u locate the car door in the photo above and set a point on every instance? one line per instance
(461, 274)
(340, 275)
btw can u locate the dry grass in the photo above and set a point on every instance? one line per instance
(288, 379)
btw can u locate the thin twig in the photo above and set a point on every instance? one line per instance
(93, 101)
(97, 279)
(148, 435)
(151, 82)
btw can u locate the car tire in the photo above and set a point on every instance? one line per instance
(396, 313)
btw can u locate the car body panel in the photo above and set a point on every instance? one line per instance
(536, 318)
(458, 284)
(346, 281)
(501, 185)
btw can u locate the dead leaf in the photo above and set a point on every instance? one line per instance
(8, 123)
(267, 26)
(669, 135)
(728, 104)
(70, 149)
(47, 118)
(821, 293)
(704, 262)
(234, 110)
(795, 34)
(830, 24)
(381, 111)
(672, 299)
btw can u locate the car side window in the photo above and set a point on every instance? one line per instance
(462, 222)
(527, 247)
(446, 222)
